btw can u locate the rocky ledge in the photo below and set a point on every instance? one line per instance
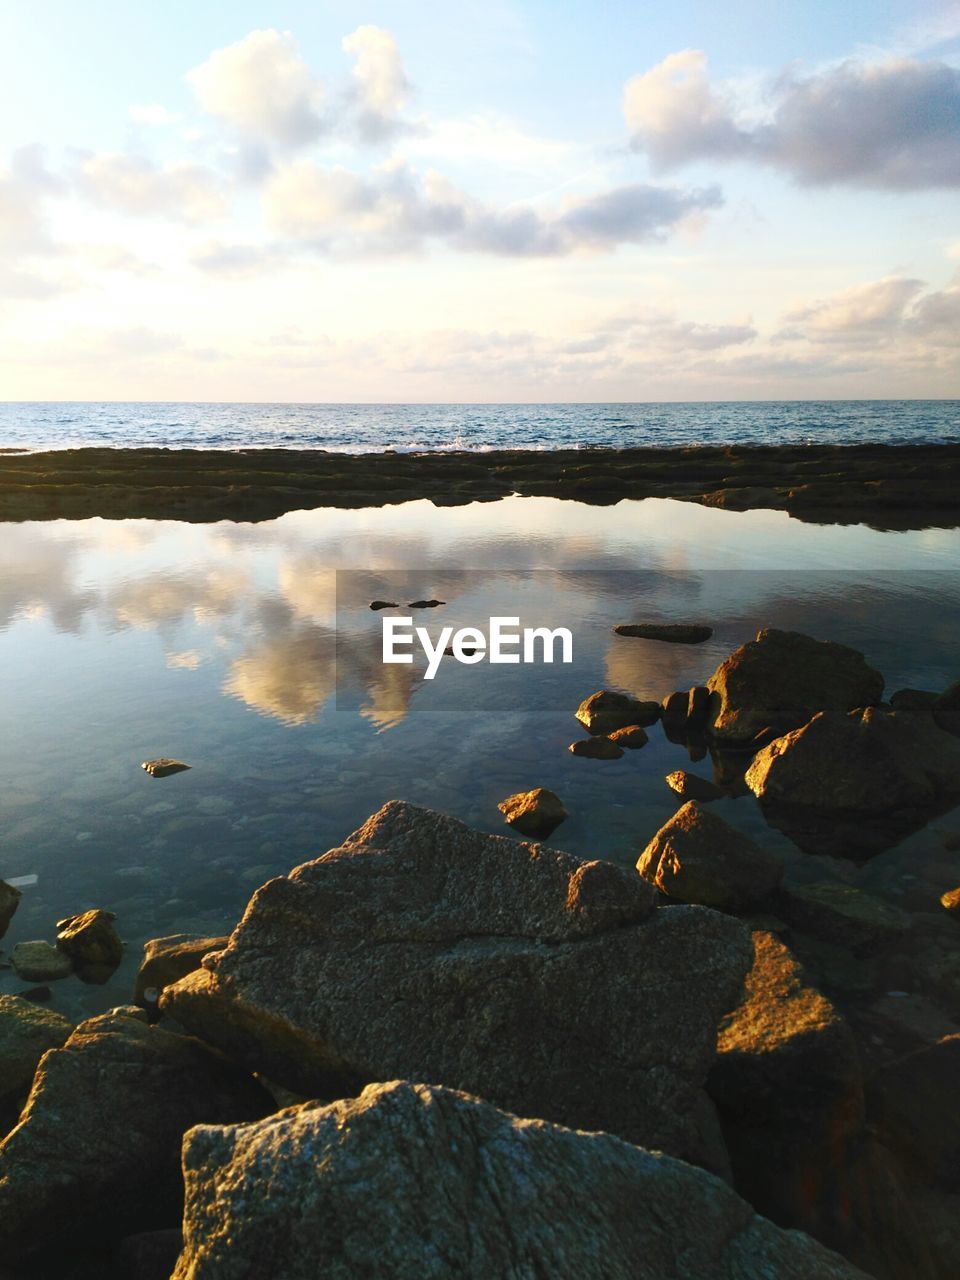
(894, 486)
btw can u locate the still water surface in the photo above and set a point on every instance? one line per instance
(241, 650)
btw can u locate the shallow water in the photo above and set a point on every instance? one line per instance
(250, 652)
(362, 428)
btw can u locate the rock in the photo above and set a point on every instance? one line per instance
(950, 901)
(150, 1255)
(852, 784)
(607, 710)
(97, 1147)
(425, 604)
(351, 1189)
(164, 766)
(698, 707)
(689, 786)
(596, 749)
(169, 959)
(533, 813)
(90, 939)
(9, 901)
(38, 961)
(674, 711)
(26, 1033)
(914, 1105)
(776, 682)
(426, 950)
(384, 604)
(946, 709)
(845, 916)
(36, 995)
(129, 1011)
(698, 857)
(913, 699)
(672, 632)
(633, 737)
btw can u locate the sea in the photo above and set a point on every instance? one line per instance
(363, 428)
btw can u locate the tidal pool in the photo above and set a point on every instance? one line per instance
(250, 652)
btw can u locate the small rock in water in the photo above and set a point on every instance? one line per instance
(9, 901)
(632, 736)
(689, 786)
(596, 749)
(607, 710)
(384, 604)
(671, 632)
(950, 901)
(425, 604)
(90, 939)
(163, 766)
(533, 813)
(38, 961)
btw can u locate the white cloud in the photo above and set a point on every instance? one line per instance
(151, 113)
(262, 86)
(133, 185)
(394, 210)
(893, 124)
(381, 85)
(858, 314)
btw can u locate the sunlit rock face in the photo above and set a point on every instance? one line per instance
(422, 949)
(415, 1180)
(852, 785)
(779, 680)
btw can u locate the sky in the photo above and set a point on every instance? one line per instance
(496, 201)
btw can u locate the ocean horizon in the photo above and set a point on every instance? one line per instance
(409, 427)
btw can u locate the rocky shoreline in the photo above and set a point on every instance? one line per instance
(438, 1051)
(888, 486)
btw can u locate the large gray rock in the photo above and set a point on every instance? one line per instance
(98, 1143)
(410, 1181)
(421, 949)
(27, 1031)
(779, 680)
(698, 857)
(853, 784)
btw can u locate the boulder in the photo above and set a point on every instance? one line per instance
(779, 680)
(168, 959)
(38, 961)
(164, 766)
(698, 707)
(596, 749)
(673, 712)
(533, 813)
(845, 916)
(27, 1031)
(698, 857)
(97, 1147)
(413, 1180)
(425, 950)
(671, 632)
(914, 1105)
(852, 784)
(89, 939)
(946, 709)
(950, 901)
(688, 786)
(607, 710)
(9, 901)
(633, 737)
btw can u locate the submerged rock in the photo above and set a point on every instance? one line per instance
(533, 813)
(671, 632)
(633, 737)
(97, 1147)
(698, 857)
(9, 901)
(412, 1180)
(596, 749)
(689, 786)
(90, 939)
(26, 1033)
(163, 767)
(423, 949)
(166, 960)
(779, 680)
(853, 784)
(607, 710)
(38, 961)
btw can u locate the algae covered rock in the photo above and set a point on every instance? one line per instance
(533, 813)
(698, 857)
(421, 949)
(413, 1180)
(779, 680)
